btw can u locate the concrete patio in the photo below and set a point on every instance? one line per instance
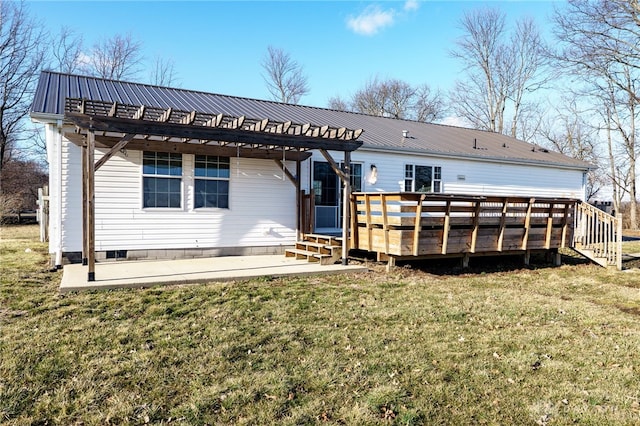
(137, 274)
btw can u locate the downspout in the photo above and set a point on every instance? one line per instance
(58, 261)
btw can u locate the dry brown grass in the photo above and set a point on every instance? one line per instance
(497, 345)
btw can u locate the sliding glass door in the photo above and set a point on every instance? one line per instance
(328, 195)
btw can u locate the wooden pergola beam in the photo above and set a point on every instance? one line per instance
(289, 175)
(194, 148)
(117, 147)
(174, 130)
(334, 165)
(138, 114)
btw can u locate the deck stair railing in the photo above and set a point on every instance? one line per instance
(598, 235)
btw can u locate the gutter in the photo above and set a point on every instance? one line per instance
(43, 117)
(500, 160)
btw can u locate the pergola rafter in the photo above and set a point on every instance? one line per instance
(116, 126)
(173, 123)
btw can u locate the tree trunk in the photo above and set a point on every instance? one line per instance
(632, 164)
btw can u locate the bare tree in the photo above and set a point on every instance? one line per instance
(428, 106)
(570, 131)
(163, 72)
(284, 77)
(338, 103)
(500, 70)
(67, 51)
(598, 42)
(395, 98)
(22, 55)
(371, 99)
(118, 57)
(20, 182)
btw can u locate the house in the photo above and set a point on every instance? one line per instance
(181, 173)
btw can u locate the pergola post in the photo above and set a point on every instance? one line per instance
(85, 239)
(91, 210)
(346, 207)
(298, 201)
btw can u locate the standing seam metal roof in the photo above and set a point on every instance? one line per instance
(380, 133)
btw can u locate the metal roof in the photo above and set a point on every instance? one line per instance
(380, 133)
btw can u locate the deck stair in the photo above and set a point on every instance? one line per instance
(598, 236)
(325, 249)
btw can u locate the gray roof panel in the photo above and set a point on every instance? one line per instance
(379, 132)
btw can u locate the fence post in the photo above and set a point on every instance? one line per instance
(619, 241)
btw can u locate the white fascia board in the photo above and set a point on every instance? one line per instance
(481, 159)
(41, 117)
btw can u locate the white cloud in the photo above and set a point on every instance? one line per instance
(371, 20)
(411, 5)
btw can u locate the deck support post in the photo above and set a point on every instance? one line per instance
(527, 257)
(557, 258)
(391, 263)
(346, 207)
(465, 261)
(417, 227)
(367, 209)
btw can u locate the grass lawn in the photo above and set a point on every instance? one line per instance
(533, 346)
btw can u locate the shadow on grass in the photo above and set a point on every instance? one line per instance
(481, 264)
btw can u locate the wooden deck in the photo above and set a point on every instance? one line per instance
(410, 225)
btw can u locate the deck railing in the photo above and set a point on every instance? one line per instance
(416, 224)
(598, 235)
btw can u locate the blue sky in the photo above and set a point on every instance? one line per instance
(217, 46)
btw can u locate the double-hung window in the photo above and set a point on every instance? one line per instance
(211, 182)
(162, 179)
(422, 178)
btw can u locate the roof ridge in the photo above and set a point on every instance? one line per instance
(269, 101)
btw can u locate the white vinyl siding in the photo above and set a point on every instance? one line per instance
(462, 176)
(261, 209)
(71, 197)
(261, 199)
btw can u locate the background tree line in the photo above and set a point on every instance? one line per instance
(575, 93)
(25, 50)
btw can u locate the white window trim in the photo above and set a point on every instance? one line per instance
(144, 175)
(195, 178)
(413, 177)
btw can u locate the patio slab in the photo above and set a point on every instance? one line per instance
(137, 274)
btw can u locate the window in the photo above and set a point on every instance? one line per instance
(162, 179)
(422, 178)
(211, 182)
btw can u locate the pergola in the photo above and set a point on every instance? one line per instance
(116, 126)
